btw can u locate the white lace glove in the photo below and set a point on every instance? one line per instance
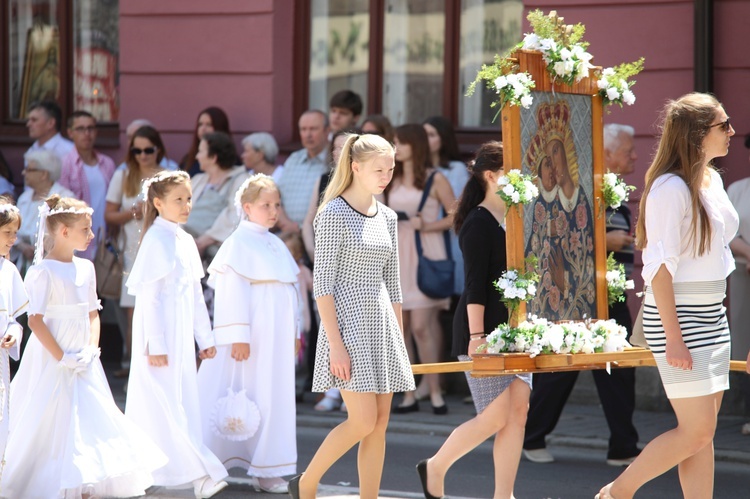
(88, 355)
(70, 361)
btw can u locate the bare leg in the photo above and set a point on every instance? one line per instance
(371, 455)
(506, 452)
(361, 420)
(425, 327)
(697, 471)
(696, 424)
(469, 435)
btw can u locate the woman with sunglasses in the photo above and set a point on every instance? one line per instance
(685, 226)
(125, 210)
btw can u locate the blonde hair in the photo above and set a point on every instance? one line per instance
(359, 148)
(686, 122)
(159, 186)
(10, 214)
(68, 218)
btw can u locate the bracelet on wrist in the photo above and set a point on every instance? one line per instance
(477, 336)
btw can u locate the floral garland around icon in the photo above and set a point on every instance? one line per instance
(568, 62)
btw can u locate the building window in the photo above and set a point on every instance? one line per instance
(410, 59)
(63, 51)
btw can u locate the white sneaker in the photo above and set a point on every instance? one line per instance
(621, 462)
(328, 404)
(206, 487)
(539, 456)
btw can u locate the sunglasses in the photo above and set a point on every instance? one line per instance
(148, 151)
(724, 126)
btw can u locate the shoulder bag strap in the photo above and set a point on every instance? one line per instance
(417, 236)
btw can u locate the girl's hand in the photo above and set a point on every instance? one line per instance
(678, 355)
(157, 360)
(475, 343)
(747, 366)
(416, 221)
(240, 351)
(8, 341)
(210, 353)
(341, 364)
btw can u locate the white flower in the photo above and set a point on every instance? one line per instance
(610, 179)
(500, 82)
(602, 84)
(509, 190)
(620, 191)
(523, 78)
(629, 284)
(519, 88)
(570, 66)
(503, 283)
(613, 276)
(511, 274)
(531, 290)
(613, 94)
(628, 97)
(608, 71)
(531, 41)
(623, 85)
(526, 101)
(547, 44)
(534, 190)
(565, 54)
(503, 180)
(515, 197)
(559, 68)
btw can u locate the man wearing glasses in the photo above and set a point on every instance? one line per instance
(87, 172)
(44, 122)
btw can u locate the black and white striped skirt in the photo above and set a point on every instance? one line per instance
(703, 322)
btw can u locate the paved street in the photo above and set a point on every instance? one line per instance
(577, 474)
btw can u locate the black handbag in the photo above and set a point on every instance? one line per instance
(435, 278)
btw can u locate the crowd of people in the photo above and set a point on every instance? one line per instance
(244, 257)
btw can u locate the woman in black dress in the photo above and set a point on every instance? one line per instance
(501, 401)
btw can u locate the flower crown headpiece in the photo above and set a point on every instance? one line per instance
(9, 208)
(44, 214)
(243, 188)
(160, 177)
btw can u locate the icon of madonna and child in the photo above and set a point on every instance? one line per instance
(558, 226)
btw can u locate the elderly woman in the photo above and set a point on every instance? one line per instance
(214, 217)
(41, 177)
(259, 155)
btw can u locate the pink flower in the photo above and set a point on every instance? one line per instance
(540, 214)
(554, 298)
(561, 224)
(575, 241)
(547, 281)
(582, 217)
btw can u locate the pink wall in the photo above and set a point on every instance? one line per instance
(180, 56)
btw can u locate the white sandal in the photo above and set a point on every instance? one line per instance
(328, 404)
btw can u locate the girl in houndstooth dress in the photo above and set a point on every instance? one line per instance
(356, 285)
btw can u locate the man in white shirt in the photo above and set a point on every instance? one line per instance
(304, 167)
(44, 122)
(133, 127)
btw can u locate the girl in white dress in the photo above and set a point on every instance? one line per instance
(169, 313)
(255, 324)
(67, 437)
(13, 303)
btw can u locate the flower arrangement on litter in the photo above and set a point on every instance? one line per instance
(568, 61)
(615, 190)
(614, 86)
(617, 282)
(517, 286)
(516, 188)
(538, 336)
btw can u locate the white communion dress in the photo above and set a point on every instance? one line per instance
(169, 313)
(67, 436)
(13, 303)
(254, 276)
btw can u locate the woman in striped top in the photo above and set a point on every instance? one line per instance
(686, 223)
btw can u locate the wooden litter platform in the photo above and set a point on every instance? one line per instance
(508, 363)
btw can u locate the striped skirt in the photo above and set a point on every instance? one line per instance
(703, 322)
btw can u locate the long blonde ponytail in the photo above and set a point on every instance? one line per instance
(359, 148)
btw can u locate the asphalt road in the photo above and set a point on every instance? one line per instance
(577, 473)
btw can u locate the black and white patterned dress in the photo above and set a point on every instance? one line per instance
(356, 261)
